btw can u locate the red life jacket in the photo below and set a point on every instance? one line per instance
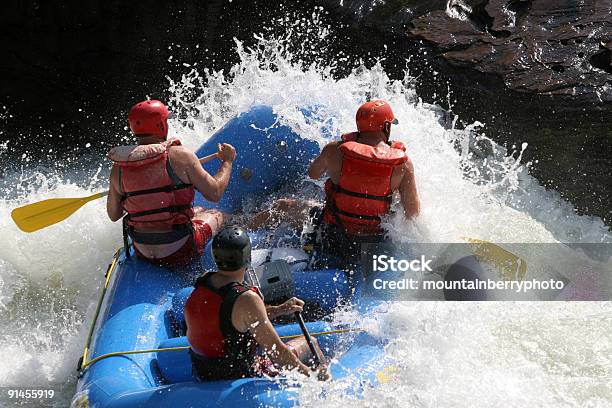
(152, 194)
(218, 350)
(363, 193)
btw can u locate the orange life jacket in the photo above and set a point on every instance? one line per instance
(219, 351)
(152, 194)
(363, 193)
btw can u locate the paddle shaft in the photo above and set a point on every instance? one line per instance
(208, 158)
(313, 350)
(203, 160)
(35, 216)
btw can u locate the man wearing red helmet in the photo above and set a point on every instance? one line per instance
(152, 186)
(364, 170)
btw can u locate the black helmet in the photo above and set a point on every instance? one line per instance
(231, 248)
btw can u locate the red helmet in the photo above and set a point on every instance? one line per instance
(372, 116)
(149, 118)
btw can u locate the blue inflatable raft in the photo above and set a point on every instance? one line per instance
(140, 314)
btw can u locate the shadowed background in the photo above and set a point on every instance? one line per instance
(535, 71)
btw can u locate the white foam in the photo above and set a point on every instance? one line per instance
(451, 355)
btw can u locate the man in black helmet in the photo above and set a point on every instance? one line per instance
(227, 319)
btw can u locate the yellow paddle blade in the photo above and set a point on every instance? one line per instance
(388, 374)
(511, 266)
(35, 216)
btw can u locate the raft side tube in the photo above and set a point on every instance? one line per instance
(175, 365)
(268, 156)
(140, 309)
(133, 317)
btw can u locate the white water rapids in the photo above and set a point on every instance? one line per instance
(553, 354)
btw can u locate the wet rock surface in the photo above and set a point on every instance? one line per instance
(555, 47)
(561, 48)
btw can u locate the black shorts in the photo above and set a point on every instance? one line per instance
(205, 369)
(336, 246)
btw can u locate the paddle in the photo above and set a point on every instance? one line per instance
(311, 346)
(510, 266)
(42, 214)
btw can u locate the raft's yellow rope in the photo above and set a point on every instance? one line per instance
(109, 272)
(159, 350)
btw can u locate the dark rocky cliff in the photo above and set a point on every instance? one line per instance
(553, 47)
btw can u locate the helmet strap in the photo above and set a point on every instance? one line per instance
(387, 130)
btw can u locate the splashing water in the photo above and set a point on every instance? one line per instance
(511, 354)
